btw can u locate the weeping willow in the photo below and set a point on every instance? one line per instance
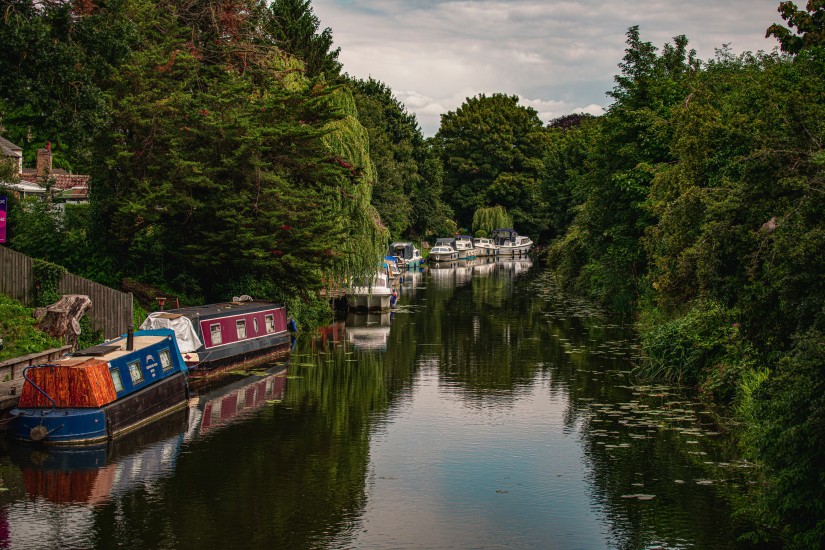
(490, 218)
(367, 239)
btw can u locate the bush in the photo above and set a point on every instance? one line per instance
(19, 331)
(679, 350)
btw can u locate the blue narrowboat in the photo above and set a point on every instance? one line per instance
(101, 392)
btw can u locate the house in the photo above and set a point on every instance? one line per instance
(10, 150)
(72, 188)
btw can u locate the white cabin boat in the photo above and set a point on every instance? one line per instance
(406, 254)
(510, 243)
(376, 294)
(486, 247)
(465, 247)
(443, 253)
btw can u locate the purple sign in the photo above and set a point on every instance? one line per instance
(2, 219)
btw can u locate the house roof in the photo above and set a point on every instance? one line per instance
(62, 179)
(9, 149)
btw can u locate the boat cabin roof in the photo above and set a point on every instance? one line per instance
(111, 350)
(223, 309)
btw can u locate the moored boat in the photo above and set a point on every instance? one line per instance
(102, 392)
(465, 247)
(370, 295)
(510, 243)
(486, 247)
(227, 333)
(406, 254)
(443, 253)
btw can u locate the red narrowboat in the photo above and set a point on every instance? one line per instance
(228, 333)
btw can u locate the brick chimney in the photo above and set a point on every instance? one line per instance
(44, 161)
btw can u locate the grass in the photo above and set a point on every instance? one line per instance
(19, 333)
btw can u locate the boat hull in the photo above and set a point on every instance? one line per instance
(519, 250)
(89, 426)
(443, 257)
(237, 352)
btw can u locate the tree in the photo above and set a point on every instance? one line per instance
(807, 27)
(492, 149)
(293, 26)
(490, 219)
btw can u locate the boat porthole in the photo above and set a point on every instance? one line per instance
(255, 325)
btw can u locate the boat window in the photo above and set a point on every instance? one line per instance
(216, 334)
(270, 323)
(135, 372)
(240, 326)
(116, 380)
(255, 325)
(165, 359)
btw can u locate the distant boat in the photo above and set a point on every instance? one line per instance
(510, 243)
(486, 247)
(443, 253)
(227, 333)
(373, 294)
(406, 254)
(101, 392)
(465, 247)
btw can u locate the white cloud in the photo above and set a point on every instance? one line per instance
(435, 53)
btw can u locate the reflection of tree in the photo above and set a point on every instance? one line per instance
(640, 449)
(293, 475)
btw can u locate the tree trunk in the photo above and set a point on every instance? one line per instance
(62, 318)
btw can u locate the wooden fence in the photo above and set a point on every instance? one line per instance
(111, 310)
(16, 277)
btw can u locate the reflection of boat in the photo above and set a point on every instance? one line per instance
(484, 266)
(368, 330)
(93, 475)
(227, 333)
(515, 266)
(103, 391)
(443, 253)
(376, 294)
(465, 247)
(510, 243)
(216, 408)
(486, 247)
(406, 254)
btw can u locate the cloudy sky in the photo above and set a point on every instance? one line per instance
(558, 56)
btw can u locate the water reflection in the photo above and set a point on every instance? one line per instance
(489, 410)
(368, 331)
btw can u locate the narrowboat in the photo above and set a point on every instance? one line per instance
(227, 333)
(102, 392)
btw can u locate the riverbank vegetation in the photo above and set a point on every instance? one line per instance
(231, 155)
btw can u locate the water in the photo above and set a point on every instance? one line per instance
(489, 411)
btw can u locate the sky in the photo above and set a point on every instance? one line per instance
(559, 57)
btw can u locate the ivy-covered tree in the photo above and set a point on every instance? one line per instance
(492, 149)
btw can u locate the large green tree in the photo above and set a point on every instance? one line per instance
(218, 168)
(492, 149)
(601, 253)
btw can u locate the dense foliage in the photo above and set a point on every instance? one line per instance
(492, 150)
(230, 156)
(698, 204)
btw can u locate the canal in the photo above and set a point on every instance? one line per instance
(488, 411)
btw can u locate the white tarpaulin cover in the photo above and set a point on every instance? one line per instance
(188, 340)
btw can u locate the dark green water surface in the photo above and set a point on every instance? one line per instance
(488, 411)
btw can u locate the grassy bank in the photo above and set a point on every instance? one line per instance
(18, 331)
